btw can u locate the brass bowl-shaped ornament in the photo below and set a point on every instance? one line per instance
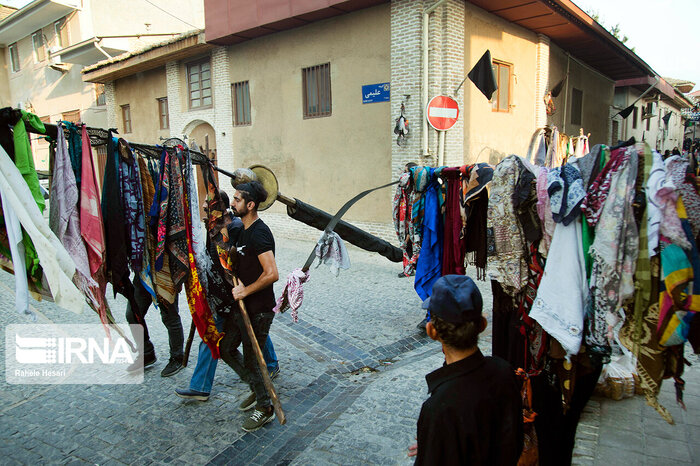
(269, 181)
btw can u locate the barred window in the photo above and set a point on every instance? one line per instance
(241, 103)
(199, 84)
(316, 86)
(100, 98)
(38, 44)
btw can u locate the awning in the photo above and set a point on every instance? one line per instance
(33, 17)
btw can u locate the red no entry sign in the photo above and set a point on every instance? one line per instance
(442, 112)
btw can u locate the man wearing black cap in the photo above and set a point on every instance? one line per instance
(474, 413)
(256, 268)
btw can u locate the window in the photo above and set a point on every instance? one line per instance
(73, 116)
(648, 123)
(38, 44)
(576, 106)
(634, 117)
(500, 100)
(14, 57)
(163, 113)
(100, 98)
(61, 30)
(199, 84)
(241, 103)
(126, 118)
(316, 86)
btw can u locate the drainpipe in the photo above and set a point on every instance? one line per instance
(424, 80)
(97, 46)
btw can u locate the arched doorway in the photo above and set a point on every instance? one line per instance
(204, 136)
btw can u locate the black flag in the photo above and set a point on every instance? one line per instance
(482, 75)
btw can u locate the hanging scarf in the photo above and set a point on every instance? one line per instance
(535, 335)
(75, 149)
(199, 307)
(566, 192)
(421, 178)
(473, 199)
(401, 212)
(132, 203)
(678, 168)
(614, 253)
(91, 227)
(454, 243)
(429, 262)
(506, 240)
(593, 203)
(199, 239)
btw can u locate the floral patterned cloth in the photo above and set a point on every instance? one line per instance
(614, 252)
(402, 206)
(592, 205)
(293, 294)
(132, 203)
(677, 168)
(505, 238)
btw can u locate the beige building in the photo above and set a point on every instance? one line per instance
(656, 118)
(280, 83)
(45, 45)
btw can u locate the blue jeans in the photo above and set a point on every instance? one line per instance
(203, 376)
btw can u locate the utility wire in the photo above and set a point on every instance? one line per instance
(168, 13)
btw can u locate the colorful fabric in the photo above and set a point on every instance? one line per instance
(199, 238)
(614, 253)
(116, 256)
(562, 294)
(655, 182)
(506, 240)
(75, 149)
(177, 229)
(64, 221)
(159, 209)
(91, 228)
(132, 203)
(677, 167)
(474, 199)
(293, 294)
(667, 199)
(679, 297)
(401, 210)
(566, 192)
(533, 331)
(593, 203)
(330, 250)
(57, 265)
(196, 298)
(454, 245)
(430, 260)
(421, 177)
(146, 275)
(544, 212)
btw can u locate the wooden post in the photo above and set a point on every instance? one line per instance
(261, 361)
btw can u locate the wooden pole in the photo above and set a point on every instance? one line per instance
(188, 345)
(261, 361)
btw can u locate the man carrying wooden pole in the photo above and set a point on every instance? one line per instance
(256, 271)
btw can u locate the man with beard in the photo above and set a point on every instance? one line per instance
(256, 269)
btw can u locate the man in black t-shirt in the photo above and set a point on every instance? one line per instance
(256, 269)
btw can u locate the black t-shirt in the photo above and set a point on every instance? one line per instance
(252, 242)
(473, 416)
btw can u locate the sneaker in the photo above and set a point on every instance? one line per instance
(174, 366)
(142, 362)
(258, 419)
(248, 403)
(192, 394)
(274, 372)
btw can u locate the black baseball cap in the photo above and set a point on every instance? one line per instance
(455, 299)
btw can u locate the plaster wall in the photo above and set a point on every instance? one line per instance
(141, 91)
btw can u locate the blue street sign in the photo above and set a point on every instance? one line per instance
(376, 93)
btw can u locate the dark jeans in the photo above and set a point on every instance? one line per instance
(246, 365)
(169, 315)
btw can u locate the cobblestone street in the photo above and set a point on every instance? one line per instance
(351, 385)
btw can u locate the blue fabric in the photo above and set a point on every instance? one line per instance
(203, 375)
(429, 264)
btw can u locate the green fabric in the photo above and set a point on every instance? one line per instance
(24, 160)
(588, 232)
(642, 276)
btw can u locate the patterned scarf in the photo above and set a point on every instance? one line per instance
(402, 205)
(614, 253)
(678, 168)
(196, 298)
(505, 238)
(593, 203)
(172, 219)
(421, 179)
(535, 336)
(132, 203)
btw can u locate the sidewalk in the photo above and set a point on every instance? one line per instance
(630, 432)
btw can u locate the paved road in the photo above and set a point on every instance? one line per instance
(351, 384)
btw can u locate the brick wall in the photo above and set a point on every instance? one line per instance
(111, 103)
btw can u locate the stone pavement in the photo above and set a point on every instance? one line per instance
(351, 384)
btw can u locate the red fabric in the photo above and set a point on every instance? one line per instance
(91, 228)
(454, 248)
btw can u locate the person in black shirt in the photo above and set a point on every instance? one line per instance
(256, 269)
(474, 413)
